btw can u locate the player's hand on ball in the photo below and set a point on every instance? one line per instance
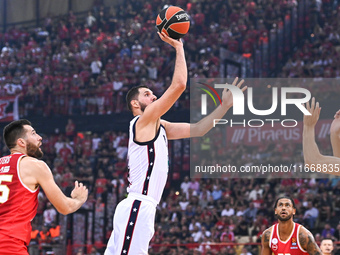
(80, 192)
(173, 42)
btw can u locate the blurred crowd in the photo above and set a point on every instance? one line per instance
(318, 56)
(72, 66)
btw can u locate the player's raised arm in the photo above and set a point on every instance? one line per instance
(265, 250)
(312, 155)
(185, 130)
(308, 243)
(42, 174)
(158, 108)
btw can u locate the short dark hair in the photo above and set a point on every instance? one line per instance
(326, 238)
(13, 131)
(133, 95)
(286, 197)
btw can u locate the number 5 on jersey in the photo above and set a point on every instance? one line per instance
(4, 190)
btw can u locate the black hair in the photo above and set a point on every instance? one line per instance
(133, 95)
(13, 131)
(326, 238)
(277, 200)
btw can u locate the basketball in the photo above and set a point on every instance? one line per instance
(174, 21)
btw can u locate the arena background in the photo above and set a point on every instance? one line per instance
(48, 74)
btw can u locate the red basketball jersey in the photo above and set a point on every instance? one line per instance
(290, 247)
(18, 204)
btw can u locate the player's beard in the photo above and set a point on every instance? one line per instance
(283, 219)
(142, 106)
(34, 151)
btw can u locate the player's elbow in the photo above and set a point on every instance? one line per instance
(307, 160)
(315, 159)
(181, 85)
(197, 131)
(65, 210)
(69, 207)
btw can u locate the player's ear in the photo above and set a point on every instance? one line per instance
(134, 103)
(21, 142)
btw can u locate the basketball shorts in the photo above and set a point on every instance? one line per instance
(12, 246)
(133, 226)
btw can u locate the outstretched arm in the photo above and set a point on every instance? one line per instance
(335, 134)
(265, 242)
(35, 171)
(311, 151)
(185, 130)
(308, 243)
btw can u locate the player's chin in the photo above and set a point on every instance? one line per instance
(285, 216)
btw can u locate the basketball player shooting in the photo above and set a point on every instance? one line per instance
(133, 223)
(313, 157)
(287, 237)
(21, 175)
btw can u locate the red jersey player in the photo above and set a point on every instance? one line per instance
(21, 174)
(288, 237)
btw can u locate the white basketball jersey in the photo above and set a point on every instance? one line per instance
(148, 163)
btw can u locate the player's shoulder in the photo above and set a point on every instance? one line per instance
(303, 229)
(31, 162)
(269, 230)
(304, 232)
(266, 234)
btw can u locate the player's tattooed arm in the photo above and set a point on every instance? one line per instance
(265, 242)
(308, 243)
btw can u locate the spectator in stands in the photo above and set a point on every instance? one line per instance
(245, 251)
(197, 234)
(44, 236)
(49, 214)
(217, 192)
(185, 185)
(250, 213)
(90, 20)
(326, 246)
(255, 193)
(311, 215)
(55, 233)
(70, 129)
(228, 211)
(328, 231)
(242, 226)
